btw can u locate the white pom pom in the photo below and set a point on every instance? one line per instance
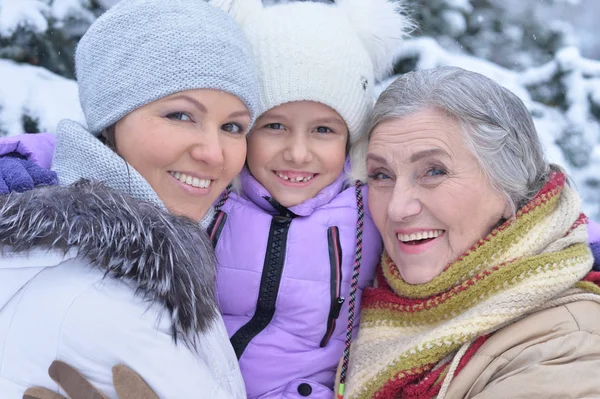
(238, 9)
(381, 26)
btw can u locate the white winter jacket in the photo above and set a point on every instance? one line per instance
(94, 278)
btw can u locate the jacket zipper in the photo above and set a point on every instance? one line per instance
(335, 264)
(269, 285)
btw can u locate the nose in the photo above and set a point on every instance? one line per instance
(207, 148)
(297, 149)
(404, 204)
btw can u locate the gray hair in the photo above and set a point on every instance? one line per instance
(497, 126)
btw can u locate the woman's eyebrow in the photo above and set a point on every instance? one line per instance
(196, 103)
(427, 153)
(239, 113)
(376, 158)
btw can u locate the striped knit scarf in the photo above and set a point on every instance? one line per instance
(410, 334)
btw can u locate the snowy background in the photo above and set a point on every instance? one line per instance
(546, 51)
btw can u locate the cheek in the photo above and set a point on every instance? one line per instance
(378, 205)
(471, 217)
(142, 145)
(235, 156)
(258, 150)
(334, 156)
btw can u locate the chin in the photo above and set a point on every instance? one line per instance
(416, 278)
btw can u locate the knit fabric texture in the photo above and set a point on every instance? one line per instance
(321, 52)
(142, 50)
(80, 155)
(409, 334)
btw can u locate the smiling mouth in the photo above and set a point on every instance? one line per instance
(191, 180)
(295, 177)
(419, 238)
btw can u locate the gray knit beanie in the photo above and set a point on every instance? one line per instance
(140, 51)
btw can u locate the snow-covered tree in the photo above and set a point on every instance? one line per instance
(40, 33)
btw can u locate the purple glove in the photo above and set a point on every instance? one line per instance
(594, 239)
(25, 161)
(18, 174)
(38, 148)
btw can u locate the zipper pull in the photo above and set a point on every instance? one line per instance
(338, 307)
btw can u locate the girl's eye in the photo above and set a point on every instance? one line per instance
(323, 129)
(274, 126)
(179, 116)
(233, 128)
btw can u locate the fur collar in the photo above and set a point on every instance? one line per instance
(168, 258)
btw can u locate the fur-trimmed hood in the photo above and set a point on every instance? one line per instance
(169, 259)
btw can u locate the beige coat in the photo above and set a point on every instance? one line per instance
(554, 353)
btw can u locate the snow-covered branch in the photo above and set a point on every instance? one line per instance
(34, 94)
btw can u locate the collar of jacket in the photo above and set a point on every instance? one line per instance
(168, 259)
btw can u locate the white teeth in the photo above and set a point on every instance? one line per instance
(421, 235)
(190, 180)
(294, 179)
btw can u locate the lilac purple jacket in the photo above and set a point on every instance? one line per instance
(284, 283)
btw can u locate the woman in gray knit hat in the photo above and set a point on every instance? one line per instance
(116, 268)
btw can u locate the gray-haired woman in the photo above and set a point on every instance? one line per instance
(481, 291)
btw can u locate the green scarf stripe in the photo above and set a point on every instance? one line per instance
(501, 279)
(588, 286)
(464, 267)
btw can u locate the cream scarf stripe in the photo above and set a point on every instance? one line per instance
(482, 319)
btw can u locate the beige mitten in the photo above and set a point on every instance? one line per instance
(128, 384)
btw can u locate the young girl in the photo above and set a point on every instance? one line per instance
(289, 241)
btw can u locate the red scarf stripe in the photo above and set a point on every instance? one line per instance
(583, 219)
(426, 385)
(593, 277)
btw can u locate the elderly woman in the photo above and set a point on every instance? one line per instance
(482, 289)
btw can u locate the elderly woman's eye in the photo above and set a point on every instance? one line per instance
(233, 128)
(378, 176)
(179, 116)
(436, 171)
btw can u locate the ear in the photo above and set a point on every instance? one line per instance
(238, 9)
(508, 211)
(381, 25)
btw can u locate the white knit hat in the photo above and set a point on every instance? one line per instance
(322, 52)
